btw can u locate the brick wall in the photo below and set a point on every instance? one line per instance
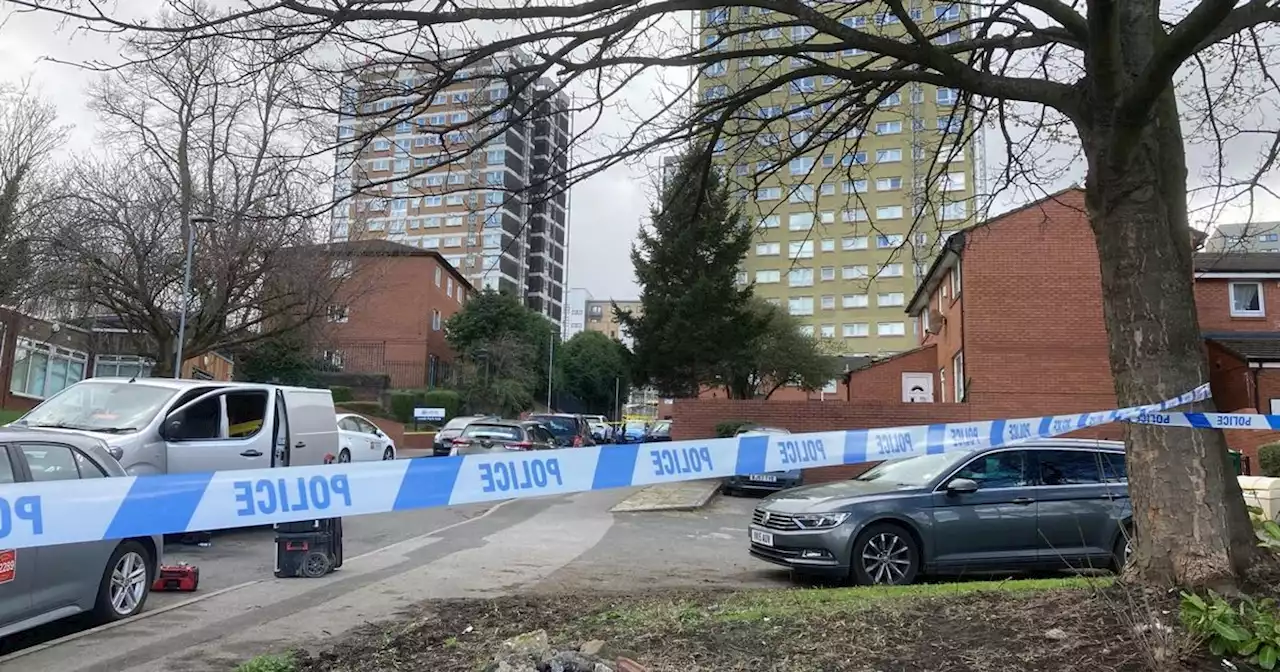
(390, 301)
(1213, 306)
(882, 382)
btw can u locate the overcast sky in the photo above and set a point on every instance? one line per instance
(605, 211)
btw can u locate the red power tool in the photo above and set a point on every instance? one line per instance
(178, 578)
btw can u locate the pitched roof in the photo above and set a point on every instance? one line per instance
(1250, 346)
(376, 247)
(1236, 262)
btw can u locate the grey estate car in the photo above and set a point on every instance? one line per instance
(1040, 505)
(111, 579)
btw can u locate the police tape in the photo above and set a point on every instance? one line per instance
(1210, 420)
(60, 512)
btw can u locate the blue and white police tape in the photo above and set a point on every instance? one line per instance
(1210, 420)
(43, 514)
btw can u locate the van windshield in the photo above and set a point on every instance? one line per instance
(100, 406)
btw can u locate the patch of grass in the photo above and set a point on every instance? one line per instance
(277, 663)
(7, 417)
(800, 604)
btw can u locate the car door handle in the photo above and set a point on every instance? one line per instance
(300, 444)
(1023, 500)
(251, 453)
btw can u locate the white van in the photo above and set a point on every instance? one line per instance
(172, 426)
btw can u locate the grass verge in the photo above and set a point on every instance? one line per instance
(7, 417)
(1036, 625)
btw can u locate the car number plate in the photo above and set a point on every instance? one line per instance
(761, 537)
(763, 478)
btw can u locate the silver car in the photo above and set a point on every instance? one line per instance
(110, 579)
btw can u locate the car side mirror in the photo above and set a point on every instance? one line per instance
(962, 486)
(172, 428)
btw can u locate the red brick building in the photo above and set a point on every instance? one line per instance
(389, 315)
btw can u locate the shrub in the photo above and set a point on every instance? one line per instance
(1269, 460)
(402, 403)
(449, 400)
(728, 428)
(342, 394)
(285, 663)
(1249, 630)
(365, 408)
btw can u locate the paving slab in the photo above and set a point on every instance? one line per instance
(684, 496)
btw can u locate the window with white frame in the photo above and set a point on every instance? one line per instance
(828, 302)
(828, 273)
(955, 210)
(768, 249)
(770, 222)
(800, 221)
(42, 370)
(828, 331)
(888, 127)
(856, 330)
(827, 217)
(890, 271)
(889, 212)
(947, 96)
(890, 299)
(801, 194)
(853, 243)
(1246, 299)
(955, 280)
(800, 305)
(800, 165)
(854, 301)
(857, 272)
(436, 322)
(888, 183)
(854, 215)
(122, 366)
(800, 277)
(952, 182)
(854, 187)
(768, 193)
(957, 366)
(891, 329)
(768, 277)
(800, 249)
(806, 330)
(889, 240)
(888, 155)
(338, 314)
(827, 245)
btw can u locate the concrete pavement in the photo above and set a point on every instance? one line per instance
(683, 496)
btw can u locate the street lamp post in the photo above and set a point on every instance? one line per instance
(186, 290)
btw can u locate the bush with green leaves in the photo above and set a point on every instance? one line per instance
(372, 408)
(1269, 460)
(404, 401)
(342, 394)
(1248, 629)
(730, 428)
(281, 663)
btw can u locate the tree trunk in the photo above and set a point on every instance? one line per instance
(1192, 528)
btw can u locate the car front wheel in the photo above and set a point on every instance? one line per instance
(126, 583)
(885, 555)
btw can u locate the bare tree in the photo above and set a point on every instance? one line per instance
(29, 137)
(197, 134)
(1101, 74)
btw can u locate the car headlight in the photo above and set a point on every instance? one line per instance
(820, 521)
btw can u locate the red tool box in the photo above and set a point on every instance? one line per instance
(180, 578)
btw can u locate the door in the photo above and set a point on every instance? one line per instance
(68, 575)
(280, 454)
(1075, 511)
(313, 429)
(993, 527)
(17, 566)
(371, 438)
(917, 388)
(223, 430)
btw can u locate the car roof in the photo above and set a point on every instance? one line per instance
(1065, 443)
(8, 434)
(188, 384)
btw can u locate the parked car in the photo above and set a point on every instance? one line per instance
(360, 440)
(772, 481)
(1049, 504)
(633, 431)
(173, 426)
(660, 431)
(444, 438)
(495, 436)
(110, 579)
(570, 429)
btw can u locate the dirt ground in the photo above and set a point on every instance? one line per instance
(1036, 626)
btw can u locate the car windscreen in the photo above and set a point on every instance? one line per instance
(103, 406)
(913, 471)
(478, 430)
(558, 424)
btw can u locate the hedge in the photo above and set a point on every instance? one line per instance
(729, 428)
(365, 408)
(342, 394)
(1269, 460)
(403, 402)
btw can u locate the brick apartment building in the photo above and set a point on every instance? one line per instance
(39, 358)
(389, 315)
(1010, 324)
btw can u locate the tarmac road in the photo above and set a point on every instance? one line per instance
(552, 543)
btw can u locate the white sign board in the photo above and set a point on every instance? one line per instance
(428, 414)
